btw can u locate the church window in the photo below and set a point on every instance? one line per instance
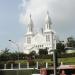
(28, 40)
(47, 38)
(38, 46)
(42, 45)
(47, 26)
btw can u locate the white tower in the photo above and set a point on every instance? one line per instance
(30, 31)
(49, 33)
(48, 23)
(30, 25)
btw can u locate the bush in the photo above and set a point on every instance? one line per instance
(31, 62)
(15, 65)
(65, 55)
(1, 66)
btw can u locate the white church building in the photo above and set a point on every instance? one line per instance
(46, 39)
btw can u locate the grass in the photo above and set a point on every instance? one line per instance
(20, 72)
(70, 60)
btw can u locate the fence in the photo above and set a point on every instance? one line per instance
(23, 66)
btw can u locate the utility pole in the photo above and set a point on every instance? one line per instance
(16, 46)
(54, 62)
(18, 53)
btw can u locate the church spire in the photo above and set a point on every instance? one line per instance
(30, 25)
(47, 22)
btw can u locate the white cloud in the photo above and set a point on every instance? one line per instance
(61, 9)
(62, 13)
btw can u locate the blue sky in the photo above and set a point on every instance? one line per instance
(13, 12)
(10, 28)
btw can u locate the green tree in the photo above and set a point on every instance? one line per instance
(32, 54)
(5, 55)
(70, 42)
(60, 47)
(43, 51)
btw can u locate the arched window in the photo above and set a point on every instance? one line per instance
(28, 40)
(47, 38)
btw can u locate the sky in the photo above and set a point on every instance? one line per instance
(14, 16)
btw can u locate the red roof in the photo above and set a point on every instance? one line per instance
(66, 67)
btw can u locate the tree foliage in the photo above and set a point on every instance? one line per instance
(32, 53)
(43, 51)
(60, 47)
(70, 42)
(7, 55)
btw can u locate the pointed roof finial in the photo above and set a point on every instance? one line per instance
(48, 19)
(30, 24)
(30, 19)
(30, 15)
(47, 12)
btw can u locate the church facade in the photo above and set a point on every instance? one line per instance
(46, 39)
